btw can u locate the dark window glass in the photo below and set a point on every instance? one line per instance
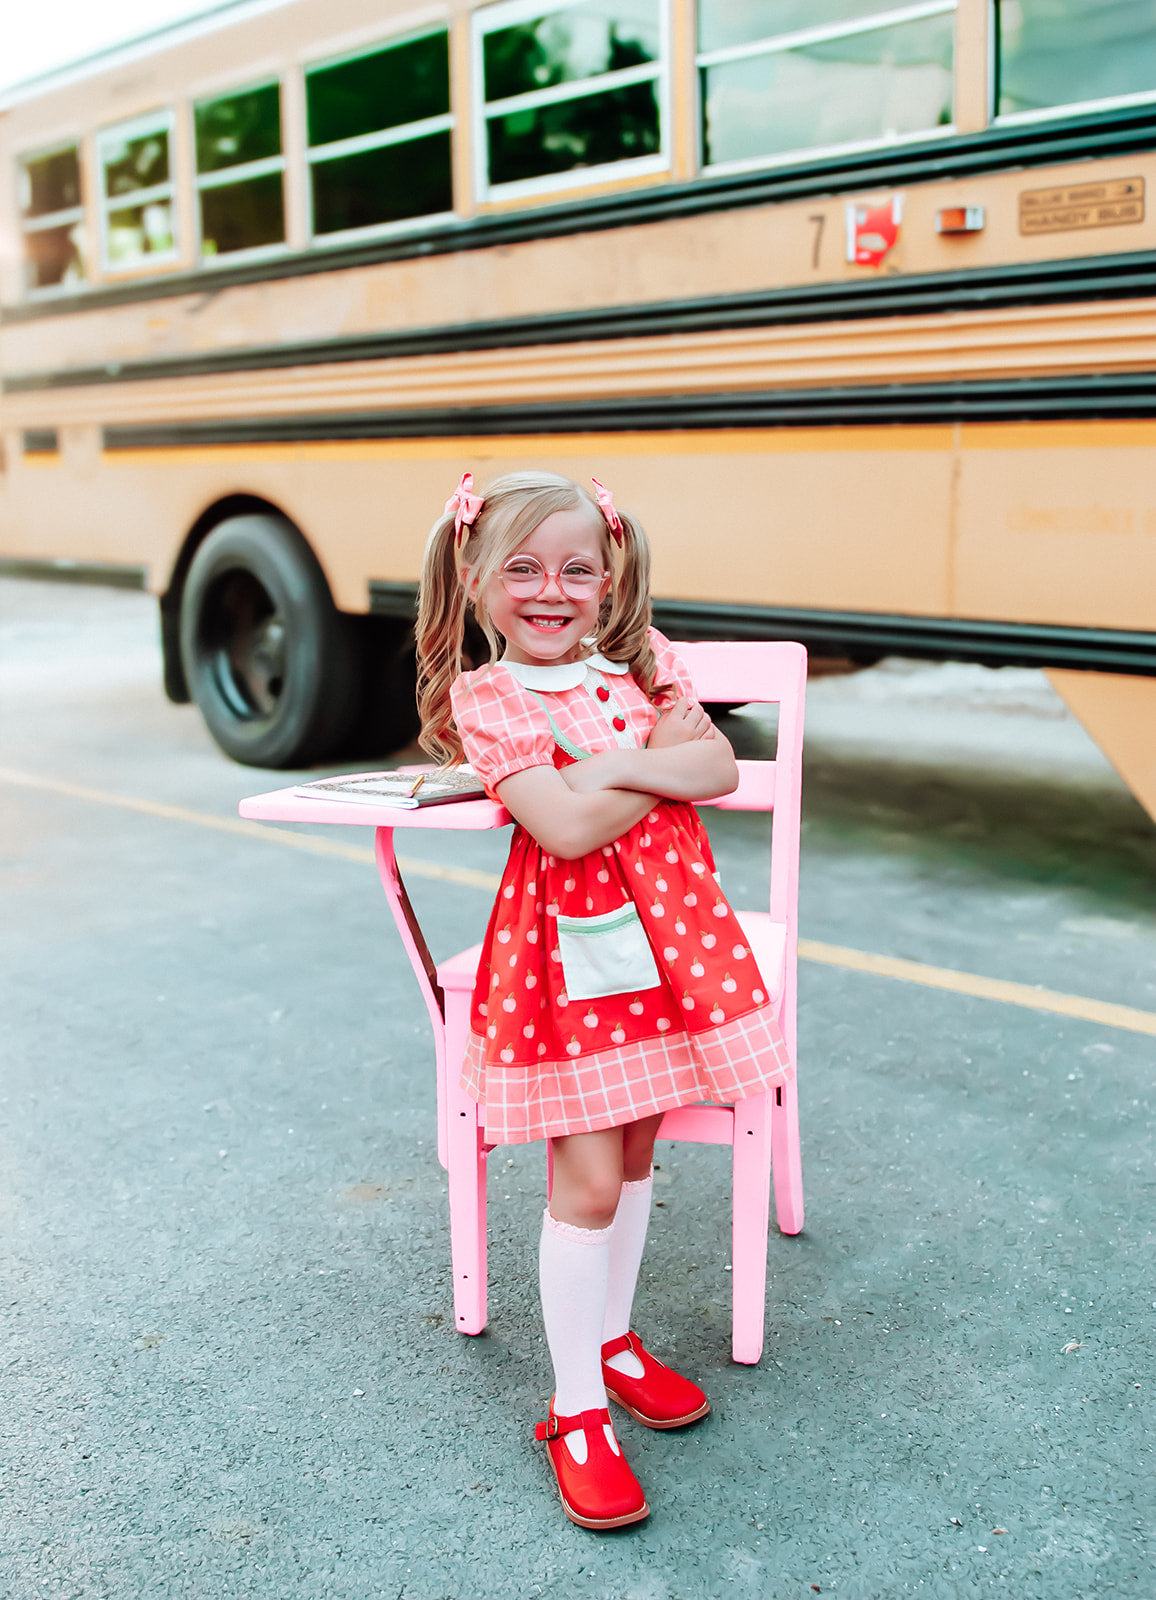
(867, 86)
(385, 90)
(388, 184)
(131, 164)
(52, 183)
(587, 132)
(242, 216)
(724, 23)
(1060, 52)
(244, 127)
(54, 256)
(41, 441)
(569, 45)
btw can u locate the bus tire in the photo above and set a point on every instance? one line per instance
(272, 664)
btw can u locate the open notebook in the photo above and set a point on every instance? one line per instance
(405, 791)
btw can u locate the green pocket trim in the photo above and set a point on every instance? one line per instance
(579, 926)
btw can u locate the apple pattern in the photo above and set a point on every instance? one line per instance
(660, 866)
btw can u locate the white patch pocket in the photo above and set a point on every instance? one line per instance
(606, 954)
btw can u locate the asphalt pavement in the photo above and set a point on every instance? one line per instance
(226, 1332)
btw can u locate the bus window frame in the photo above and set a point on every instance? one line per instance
(245, 169)
(1073, 108)
(445, 122)
(891, 16)
(164, 121)
(54, 219)
(563, 183)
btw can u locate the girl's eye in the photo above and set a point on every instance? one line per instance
(522, 569)
(577, 569)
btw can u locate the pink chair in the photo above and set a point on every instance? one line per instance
(763, 1131)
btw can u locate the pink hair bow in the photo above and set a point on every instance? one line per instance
(465, 506)
(606, 505)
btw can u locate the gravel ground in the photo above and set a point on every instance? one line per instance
(226, 1325)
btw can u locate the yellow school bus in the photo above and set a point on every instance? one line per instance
(851, 301)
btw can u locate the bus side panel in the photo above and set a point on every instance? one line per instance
(1057, 523)
(853, 519)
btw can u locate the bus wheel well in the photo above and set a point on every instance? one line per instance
(232, 505)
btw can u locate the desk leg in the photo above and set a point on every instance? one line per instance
(466, 1152)
(423, 966)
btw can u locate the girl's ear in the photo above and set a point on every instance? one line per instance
(468, 579)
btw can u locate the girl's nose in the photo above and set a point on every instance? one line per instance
(552, 588)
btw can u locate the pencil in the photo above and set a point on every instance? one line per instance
(420, 779)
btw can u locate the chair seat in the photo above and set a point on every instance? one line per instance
(461, 971)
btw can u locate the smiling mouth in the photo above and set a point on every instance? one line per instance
(552, 622)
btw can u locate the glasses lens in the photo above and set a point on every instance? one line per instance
(524, 579)
(579, 582)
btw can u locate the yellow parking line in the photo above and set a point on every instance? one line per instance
(829, 955)
(980, 988)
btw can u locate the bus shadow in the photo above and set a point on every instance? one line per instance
(1003, 826)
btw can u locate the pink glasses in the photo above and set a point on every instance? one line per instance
(524, 578)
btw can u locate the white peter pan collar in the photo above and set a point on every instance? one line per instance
(568, 675)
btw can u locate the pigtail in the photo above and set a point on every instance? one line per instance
(624, 631)
(441, 626)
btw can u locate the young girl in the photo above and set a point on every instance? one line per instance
(614, 981)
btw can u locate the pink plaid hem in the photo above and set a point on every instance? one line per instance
(612, 1087)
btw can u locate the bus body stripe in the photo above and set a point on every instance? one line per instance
(1035, 283)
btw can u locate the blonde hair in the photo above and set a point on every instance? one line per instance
(514, 506)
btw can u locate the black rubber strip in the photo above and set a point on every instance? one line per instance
(1081, 397)
(867, 635)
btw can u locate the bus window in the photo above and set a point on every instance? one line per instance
(137, 210)
(379, 136)
(1057, 53)
(577, 91)
(838, 73)
(52, 219)
(240, 171)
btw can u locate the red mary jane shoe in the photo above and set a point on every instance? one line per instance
(602, 1492)
(661, 1398)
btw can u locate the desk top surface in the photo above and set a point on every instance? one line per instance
(283, 805)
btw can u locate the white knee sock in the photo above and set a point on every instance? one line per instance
(572, 1267)
(627, 1241)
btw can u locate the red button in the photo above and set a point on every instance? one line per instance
(602, 692)
(620, 724)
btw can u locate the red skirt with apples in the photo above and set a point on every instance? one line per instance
(545, 1063)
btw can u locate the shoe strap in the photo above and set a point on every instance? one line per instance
(615, 1347)
(555, 1426)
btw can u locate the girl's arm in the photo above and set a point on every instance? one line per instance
(686, 758)
(567, 823)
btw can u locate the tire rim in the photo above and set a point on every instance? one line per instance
(243, 645)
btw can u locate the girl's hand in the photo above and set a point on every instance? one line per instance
(686, 720)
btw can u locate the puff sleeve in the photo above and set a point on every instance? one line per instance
(671, 667)
(503, 728)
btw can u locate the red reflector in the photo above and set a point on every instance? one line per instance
(959, 219)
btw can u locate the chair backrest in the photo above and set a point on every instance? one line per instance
(772, 673)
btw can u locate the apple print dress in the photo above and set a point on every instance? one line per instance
(619, 984)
